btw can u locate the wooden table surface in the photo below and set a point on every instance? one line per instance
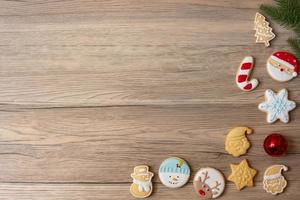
(90, 89)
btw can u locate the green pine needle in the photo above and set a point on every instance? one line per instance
(295, 46)
(287, 14)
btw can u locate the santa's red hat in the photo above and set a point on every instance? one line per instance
(287, 60)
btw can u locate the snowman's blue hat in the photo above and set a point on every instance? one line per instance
(174, 165)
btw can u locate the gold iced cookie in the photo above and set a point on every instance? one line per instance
(142, 185)
(274, 182)
(242, 175)
(236, 142)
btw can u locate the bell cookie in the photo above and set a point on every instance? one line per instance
(142, 184)
(264, 33)
(277, 106)
(236, 142)
(174, 172)
(242, 175)
(274, 182)
(243, 74)
(209, 183)
(282, 66)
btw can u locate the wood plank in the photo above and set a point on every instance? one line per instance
(121, 191)
(99, 53)
(89, 144)
(89, 89)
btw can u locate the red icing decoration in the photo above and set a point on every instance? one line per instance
(275, 145)
(246, 66)
(248, 86)
(202, 193)
(242, 78)
(287, 57)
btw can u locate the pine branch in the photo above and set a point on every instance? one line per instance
(287, 14)
(295, 45)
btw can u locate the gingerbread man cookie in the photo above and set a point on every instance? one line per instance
(274, 182)
(236, 142)
(242, 175)
(142, 185)
(209, 183)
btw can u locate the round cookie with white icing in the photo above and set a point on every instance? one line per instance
(282, 66)
(209, 183)
(174, 172)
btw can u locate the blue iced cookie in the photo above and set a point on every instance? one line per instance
(174, 172)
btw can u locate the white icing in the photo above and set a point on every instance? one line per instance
(173, 180)
(282, 62)
(213, 176)
(254, 82)
(174, 172)
(277, 106)
(279, 182)
(143, 186)
(248, 59)
(278, 75)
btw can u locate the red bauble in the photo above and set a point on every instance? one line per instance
(275, 145)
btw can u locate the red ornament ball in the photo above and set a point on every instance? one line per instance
(275, 145)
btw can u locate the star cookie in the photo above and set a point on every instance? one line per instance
(277, 106)
(242, 175)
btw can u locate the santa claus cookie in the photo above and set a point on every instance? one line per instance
(209, 183)
(236, 142)
(274, 182)
(174, 172)
(142, 185)
(282, 66)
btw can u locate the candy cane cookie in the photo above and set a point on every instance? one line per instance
(242, 76)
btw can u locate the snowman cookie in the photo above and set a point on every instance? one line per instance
(142, 185)
(274, 182)
(282, 66)
(209, 183)
(174, 172)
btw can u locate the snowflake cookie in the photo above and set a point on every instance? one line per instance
(277, 106)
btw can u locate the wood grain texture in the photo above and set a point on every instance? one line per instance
(89, 89)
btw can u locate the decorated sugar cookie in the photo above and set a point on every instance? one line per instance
(243, 74)
(242, 175)
(264, 33)
(274, 182)
(209, 183)
(282, 66)
(174, 172)
(142, 185)
(277, 106)
(236, 142)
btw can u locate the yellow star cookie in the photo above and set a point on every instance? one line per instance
(242, 175)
